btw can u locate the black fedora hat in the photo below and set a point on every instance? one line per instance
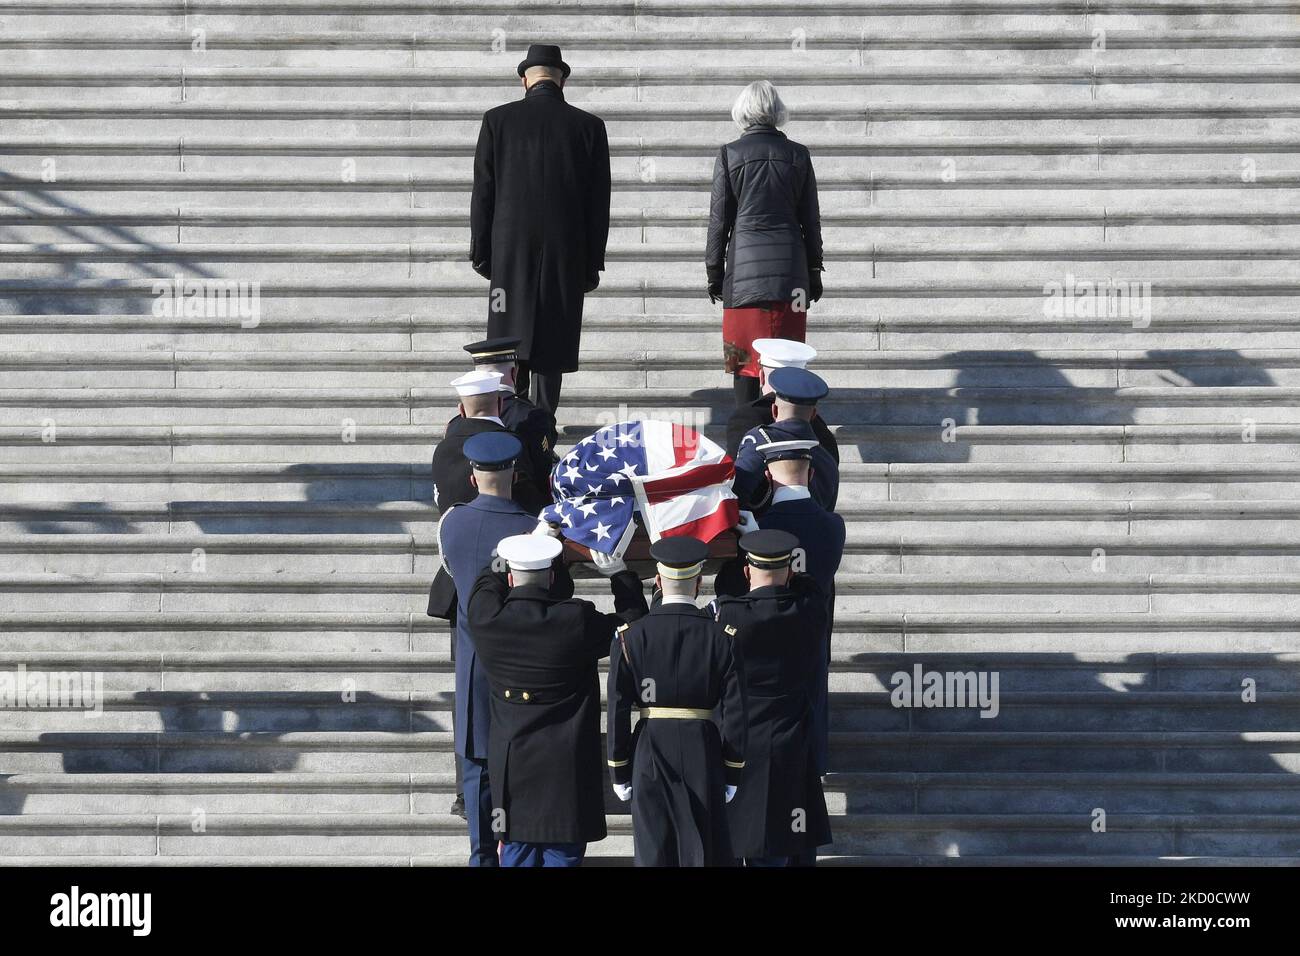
(543, 54)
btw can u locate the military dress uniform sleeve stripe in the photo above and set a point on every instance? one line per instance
(621, 693)
(735, 720)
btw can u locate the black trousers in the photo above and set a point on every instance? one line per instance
(540, 388)
(746, 389)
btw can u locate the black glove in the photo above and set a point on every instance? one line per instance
(483, 269)
(814, 285)
(715, 292)
(593, 280)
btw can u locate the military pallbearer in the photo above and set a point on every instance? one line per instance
(778, 817)
(540, 654)
(467, 537)
(677, 666)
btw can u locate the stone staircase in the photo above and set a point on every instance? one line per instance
(233, 525)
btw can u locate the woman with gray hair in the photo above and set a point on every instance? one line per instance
(764, 252)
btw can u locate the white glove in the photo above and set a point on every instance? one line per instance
(623, 791)
(731, 792)
(608, 564)
(747, 523)
(546, 529)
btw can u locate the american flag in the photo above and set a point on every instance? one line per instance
(678, 480)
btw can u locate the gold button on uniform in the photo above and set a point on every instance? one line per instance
(525, 695)
(507, 695)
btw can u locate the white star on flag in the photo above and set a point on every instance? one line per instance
(602, 531)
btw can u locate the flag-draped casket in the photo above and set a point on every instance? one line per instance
(665, 478)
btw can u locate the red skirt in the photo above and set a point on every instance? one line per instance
(763, 320)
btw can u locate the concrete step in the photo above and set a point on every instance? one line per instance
(893, 187)
(430, 752)
(857, 793)
(850, 266)
(1043, 637)
(1175, 404)
(662, 13)
(868, 651)
(840, 210)
(935, 836)
(296, 711)
(688, 30)
(390, 496)
(654, 376)
(941, 442)
(196, 592)
(1007, 296)
(190, 152)
(919, 517)
(869, 550)
(696, 332)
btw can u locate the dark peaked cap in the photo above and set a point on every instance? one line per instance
(798, 386)
(494, 351)
(680, 557)
(769, 549)
(492, 451)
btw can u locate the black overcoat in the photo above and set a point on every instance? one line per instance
(677, 657)
(540, 654)
(539, 220)
(779, 808)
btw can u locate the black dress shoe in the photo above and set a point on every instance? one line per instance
(458, 807)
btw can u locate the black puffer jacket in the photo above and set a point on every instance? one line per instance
(764, 221)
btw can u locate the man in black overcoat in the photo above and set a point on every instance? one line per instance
(540, 653)
(779, 816)
(539, 220)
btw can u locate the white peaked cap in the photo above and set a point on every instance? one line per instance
(779, 353)
(477, 382)
(529, 552)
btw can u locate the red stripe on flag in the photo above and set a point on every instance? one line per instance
(711, 525)
(695, 479)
